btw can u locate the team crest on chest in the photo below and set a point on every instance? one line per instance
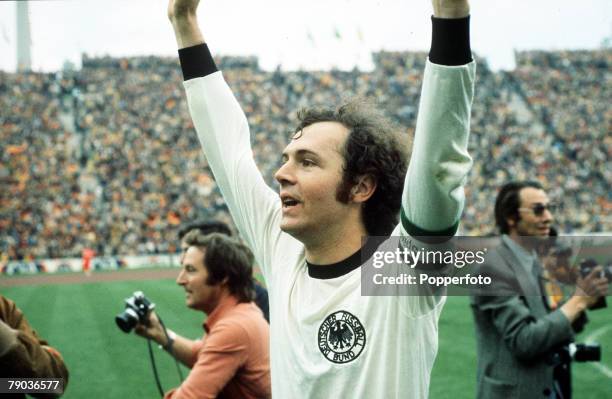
(341, 337)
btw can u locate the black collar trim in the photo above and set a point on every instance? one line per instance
(326, 272)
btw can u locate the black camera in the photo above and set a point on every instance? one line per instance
(576, 353)
(585, 352)
(137, 308)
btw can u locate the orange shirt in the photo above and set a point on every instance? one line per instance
(232, 360)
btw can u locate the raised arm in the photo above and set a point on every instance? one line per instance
(224, 134)
(433, 196)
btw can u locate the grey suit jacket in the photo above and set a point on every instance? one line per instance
(516, 333)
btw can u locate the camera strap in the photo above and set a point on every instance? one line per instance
(155, 374)
(170, 351)
(170, 348)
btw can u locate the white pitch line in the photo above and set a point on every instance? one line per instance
(605, 370)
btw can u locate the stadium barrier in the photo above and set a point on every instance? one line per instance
(97, 263)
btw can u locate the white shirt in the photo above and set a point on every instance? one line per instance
(327, 340)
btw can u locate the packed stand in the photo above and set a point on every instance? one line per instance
(107, 158)
(570, 92)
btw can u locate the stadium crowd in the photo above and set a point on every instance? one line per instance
(570, 93)
(106, 157)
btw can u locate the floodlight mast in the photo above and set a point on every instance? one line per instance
(24, 37)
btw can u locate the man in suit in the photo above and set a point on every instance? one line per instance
(518, 335)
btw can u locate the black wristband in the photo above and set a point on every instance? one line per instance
(196, 61)
(450, 41)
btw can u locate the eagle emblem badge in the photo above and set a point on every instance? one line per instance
(341, 337)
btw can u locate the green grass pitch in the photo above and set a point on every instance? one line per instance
(106, 363)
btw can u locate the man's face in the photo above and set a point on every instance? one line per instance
(309, 178)
(530, 223)
(193, 277)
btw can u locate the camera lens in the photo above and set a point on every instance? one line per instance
(585, 352)
(127, 320)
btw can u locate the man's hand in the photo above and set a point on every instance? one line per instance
(152, 330)
(451, 8)
(588, 291)
(182, 348)
(182, 15)
(178, 9)
(592, 287)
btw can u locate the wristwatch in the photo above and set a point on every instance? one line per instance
(171, 337)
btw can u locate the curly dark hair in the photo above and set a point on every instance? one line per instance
(226, 258)
(374, 147)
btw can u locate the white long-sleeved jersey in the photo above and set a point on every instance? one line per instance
(327, 340)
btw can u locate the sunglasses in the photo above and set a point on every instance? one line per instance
(538, 209)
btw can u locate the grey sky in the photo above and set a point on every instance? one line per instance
(298, 33)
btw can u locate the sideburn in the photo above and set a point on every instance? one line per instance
(343, 190)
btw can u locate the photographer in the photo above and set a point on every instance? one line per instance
(522, 338)
(232, 360)
(212, 226)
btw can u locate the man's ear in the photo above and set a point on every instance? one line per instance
(363, 189)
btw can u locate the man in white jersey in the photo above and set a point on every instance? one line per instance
(343, 177)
